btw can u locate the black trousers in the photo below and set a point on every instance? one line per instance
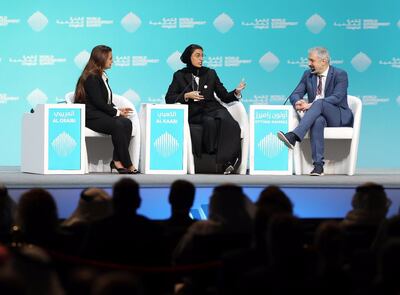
(120, 129)
(219, 134)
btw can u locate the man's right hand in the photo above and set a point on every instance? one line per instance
(301, 105)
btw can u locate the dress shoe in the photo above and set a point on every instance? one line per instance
(289, 139)
(119, 170)
(318, 170)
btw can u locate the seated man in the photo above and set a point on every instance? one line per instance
(326, 88)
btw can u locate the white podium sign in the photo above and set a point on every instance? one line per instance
(164, 137)
(268, 155)
(53, 139)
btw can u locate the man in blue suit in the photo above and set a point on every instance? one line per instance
(326, 106)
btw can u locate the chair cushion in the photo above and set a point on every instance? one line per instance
(90, 133)
(336, 133)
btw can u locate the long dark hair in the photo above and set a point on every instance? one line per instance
(95, 66)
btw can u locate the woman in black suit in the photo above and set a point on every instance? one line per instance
(102, 116)
(219, 134)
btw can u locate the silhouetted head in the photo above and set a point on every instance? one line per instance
(126, 197)
(372, 197)
(181, 195)
(94, 204)
(273, 200)
(230, 207)
(370, 205)
(37, 213)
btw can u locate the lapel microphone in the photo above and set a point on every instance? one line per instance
(190, 84)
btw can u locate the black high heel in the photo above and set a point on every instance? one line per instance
(119, 170)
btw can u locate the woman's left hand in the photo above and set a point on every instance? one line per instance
(125, 112)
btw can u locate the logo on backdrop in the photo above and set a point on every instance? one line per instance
(37, 60)
(315, 24)
(5, 21)
(225, 61)
(398, 24)
(38, 21)
(64, 144)
(394, 62)
(131, 22)
(361, 62)
(132, 96)
(361, 24)
(134, 61)
(166, 145)
(81, 59)
(270, 145)
(398, 100)
(223, 23)
(5, 98)
(175, 23)
(36, 97)
(372, 100)
(269, 23)
(76, 22)
(174, 61)
(269, 61)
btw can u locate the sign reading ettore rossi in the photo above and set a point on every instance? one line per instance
(268, 155)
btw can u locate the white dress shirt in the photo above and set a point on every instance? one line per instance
(324, 75)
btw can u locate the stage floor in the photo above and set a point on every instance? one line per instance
(15, 179)
(327, 196)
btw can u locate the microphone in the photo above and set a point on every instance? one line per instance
(186, 88)
(286, 100)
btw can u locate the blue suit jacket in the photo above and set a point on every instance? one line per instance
(335, 92)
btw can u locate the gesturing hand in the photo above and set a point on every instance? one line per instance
(195, 95)
(240, 87)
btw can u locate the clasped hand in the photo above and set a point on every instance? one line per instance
(302, 105)
(125, 112)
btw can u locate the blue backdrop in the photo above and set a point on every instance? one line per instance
(45, 44)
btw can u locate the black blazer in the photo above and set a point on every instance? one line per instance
(96, 99)
(183, 82)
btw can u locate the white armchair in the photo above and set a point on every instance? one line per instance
(238, 112)
(99, 146)
(341, 146)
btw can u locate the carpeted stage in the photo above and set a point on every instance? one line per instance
(327, 196)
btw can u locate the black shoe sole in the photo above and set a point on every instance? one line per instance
(316, 174)
(283, 138)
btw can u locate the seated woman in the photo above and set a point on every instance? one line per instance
(102, 116)
(219, 133)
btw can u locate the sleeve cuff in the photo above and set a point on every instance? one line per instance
(237, 96)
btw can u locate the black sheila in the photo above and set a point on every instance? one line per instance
(213, 129)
